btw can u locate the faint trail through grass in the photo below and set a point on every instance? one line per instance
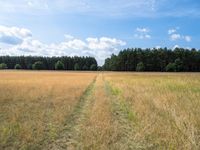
(68, 137)
(98, 130)
(101, 120)
(124, 117)
(112, 112)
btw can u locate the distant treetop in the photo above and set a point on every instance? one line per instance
(162, 59)
(48, 63)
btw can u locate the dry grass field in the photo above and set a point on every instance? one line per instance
(34, 105)
(100, 111)
(162, 109)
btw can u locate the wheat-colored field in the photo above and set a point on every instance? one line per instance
(163, 109)
(100, 111)
(34, 105)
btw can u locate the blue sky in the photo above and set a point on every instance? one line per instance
(96, 27)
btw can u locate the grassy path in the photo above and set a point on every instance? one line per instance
(68, 137)
(101, 121)
(98, 131)
(124, 117)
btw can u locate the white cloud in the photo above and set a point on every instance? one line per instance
(68, 37)
(147, 36)
(157, 47)
(13, 35)
(170, 31)
(142, 30)
(75, 44)
(174, 35)
(187, 38)
(100, 48)
(142, 33)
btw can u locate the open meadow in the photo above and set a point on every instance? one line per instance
(99, 110)
(34, 105)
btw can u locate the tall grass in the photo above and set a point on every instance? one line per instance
(121, 111)
(34, 105)
(167, 108)
(98, 130)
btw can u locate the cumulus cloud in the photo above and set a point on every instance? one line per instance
(170, 31)
(142, 33)
(103, 43)
(142, 30)
(13, 35)
(174, 35)
(187, 38)
(100, 48)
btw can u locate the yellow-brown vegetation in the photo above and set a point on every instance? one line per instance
(100, 111)
(34, 105)
(164, 108)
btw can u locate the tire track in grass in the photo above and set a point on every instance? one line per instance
(124, 117)
(98, 130)
(68, 138)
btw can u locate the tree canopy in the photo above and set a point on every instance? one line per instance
(59, 65)
(38, 65)
(171, 67)
(48, 63)
(137, 59)
(3, 66)
(18, 66)
(140, 67)
(131, 59)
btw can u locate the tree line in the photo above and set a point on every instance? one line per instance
(162, 59)
(131, 59)
(48, 63)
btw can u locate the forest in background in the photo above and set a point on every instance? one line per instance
(162, 59)
(131, 59)
(48, 63)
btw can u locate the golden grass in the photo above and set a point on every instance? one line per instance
(34, 105)
(119, 111)
(167, 108)
(98, 130)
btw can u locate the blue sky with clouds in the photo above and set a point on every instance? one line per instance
(96, 27)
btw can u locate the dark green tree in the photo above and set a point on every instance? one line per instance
(106, 65)
(140, 66)
(38, 66)
(3, 66)
(85, 67)
(93, 67)
(154, 59)
(27, 62)
(76, 66)
(59, 65)
(29, 66)
(99, 68)
(18, 66)
(179, 65)
(171, 67)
